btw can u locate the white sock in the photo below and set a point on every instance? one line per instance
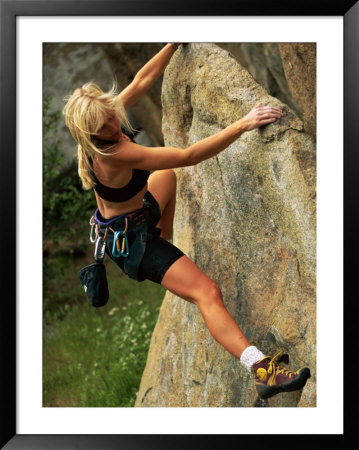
(250, 356)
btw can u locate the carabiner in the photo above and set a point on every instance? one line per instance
(93, 233)
(117, 251)
(100, 251)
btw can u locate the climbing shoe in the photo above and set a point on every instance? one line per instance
(271, 379)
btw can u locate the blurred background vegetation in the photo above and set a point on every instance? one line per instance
(91, 357)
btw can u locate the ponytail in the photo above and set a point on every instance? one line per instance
(86, 110)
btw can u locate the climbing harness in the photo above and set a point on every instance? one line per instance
(115, 234)
(120, 246)
(125, 237)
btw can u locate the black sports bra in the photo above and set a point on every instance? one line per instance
(133, 187)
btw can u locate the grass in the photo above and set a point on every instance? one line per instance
(95, 356)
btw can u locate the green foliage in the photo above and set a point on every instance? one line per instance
(66, 207)
(65, 203)
(91, 357)
(96, 357)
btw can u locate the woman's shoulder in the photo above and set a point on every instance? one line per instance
(109, 168)
(115, 155)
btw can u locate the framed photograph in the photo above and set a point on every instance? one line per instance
(26, 29)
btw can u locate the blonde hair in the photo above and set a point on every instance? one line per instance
(86, 111)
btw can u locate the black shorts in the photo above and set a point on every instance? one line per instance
(159, 254)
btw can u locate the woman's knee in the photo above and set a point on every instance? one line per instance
(162, 185)
(172, 174)
(208, 294)
(171, 178)
(168, 174)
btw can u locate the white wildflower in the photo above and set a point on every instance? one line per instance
(113, 310)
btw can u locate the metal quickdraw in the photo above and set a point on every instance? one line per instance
(100, 246)
(121, 249)
(94, 230)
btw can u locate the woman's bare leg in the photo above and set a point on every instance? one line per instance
(162, 185)
(187, 281)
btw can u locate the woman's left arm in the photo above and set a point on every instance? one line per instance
(146, 76)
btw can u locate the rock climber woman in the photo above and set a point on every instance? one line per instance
(136, 208)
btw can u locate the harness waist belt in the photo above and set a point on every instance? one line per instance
(137, 223)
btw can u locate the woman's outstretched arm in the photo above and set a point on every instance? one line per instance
(146, 76)
(157, 158)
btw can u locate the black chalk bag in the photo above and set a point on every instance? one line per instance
(94, 281)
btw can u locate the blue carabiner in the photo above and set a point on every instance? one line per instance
(118, 253)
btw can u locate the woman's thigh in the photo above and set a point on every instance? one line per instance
(186, 280)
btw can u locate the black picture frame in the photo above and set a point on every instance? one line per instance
(9, 10)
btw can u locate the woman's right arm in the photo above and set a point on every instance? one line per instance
(147, 75)
(157, 158)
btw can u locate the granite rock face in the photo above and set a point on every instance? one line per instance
(247, 217)
(286, 70)
(264, 62)
(299, 62)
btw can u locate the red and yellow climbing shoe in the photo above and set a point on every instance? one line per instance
(272, 379)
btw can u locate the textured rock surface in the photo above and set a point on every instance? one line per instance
(247, 218)
(264, 62)
(299, 62)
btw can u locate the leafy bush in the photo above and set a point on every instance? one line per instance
(66, 206)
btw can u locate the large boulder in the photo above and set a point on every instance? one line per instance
(247, 217)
